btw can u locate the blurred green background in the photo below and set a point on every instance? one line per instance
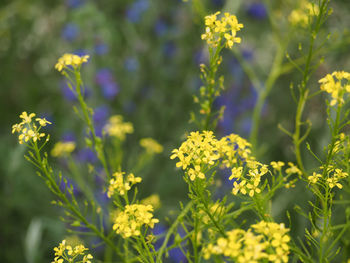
(144, 66)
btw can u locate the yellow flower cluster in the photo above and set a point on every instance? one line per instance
(249, 183)
(336, 84)
(116, 127)
(151, 145)
(265, 241)
(277, 166)
(201, 151)
(301, 15)
(293, 169)
(333, 177)
(121, 184)
(129, 222)
(225, 29)
(28, 129)
(197, 153)
(62, 149)
(70, 60)
(66, 252)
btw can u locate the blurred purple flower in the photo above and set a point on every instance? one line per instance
(86, 155)
(257, 11)
(70, 32)
(101, 49)
(81, 52)
(101, 114)
(136, 9)
(69, 137)
(109, 87)
(160, 27)
(100, 117)
(169, 49)
(131, 64)
(218, 3)
(110, 90)
(75, 3)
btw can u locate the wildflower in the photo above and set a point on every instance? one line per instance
(67, 252)
(302, 15)
(277, 165)
(224, 29)
(264, 241)
(151, 145)
(293, 169)
(336, 84)
(257, 11)
(116, 127)
(70, 60)
(314, 178)
(62, 148)
(334, 177)
(121, 184)
(129, 222)
(28, 129)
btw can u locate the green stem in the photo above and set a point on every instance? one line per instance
(173, 227)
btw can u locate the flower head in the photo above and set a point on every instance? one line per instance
(116, 127)
(122, 183)
(337, 85)
(129, 222)
(224, 29)
(151, 146)
(29, 129)
(69, 253)
(70, 60)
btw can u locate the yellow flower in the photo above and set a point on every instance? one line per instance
(121, 184)
(224, 29)
(302, 15)
(62, 148)
(70, 60)
(337, 85)
(261, 242)
(314, 178)
(128, 223)
(151, 145)
(277, 165)
(64, 251)
(116, 127)
(293, 169)
(28, 129)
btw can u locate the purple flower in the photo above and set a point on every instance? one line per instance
(100, 116)
(69, 137)
(101, 49)
(81, 52)
(169, 49)
(70, 32)
(136, 9)
(257, 11)
(75, 3)
(104, 76)
(110, 90)
(86, 155)
(131, 64)
(160, 27)
(109, 87)
(218, 3)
